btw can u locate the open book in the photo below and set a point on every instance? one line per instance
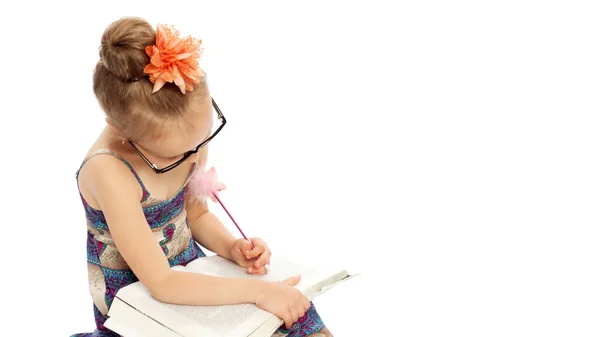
(134, 313)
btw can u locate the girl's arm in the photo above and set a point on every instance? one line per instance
(208, 230)
(105, 180)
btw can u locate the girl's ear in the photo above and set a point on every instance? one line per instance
(109, 122)
(113, 128)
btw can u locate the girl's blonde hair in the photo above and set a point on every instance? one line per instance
(124, 90)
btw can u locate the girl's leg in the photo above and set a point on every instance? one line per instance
(323, 333)
(310, 325)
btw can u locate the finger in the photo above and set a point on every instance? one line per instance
(288, 320)
(306, 303)
(256, 251)
(250, 268)
(258, 271)
(248, 265)
(299, 313)
(257, 242)
(264, 258)
(245, 246)
(292, 281)
(240, 247)
(244, 254)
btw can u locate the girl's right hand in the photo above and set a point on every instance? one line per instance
(284, 301)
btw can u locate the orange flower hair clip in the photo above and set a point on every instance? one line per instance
(173, 59)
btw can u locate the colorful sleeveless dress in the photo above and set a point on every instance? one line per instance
(108, 271)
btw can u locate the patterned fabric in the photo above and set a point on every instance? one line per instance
(310, 323)
(108, 271)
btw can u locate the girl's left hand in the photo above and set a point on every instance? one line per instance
(254, 260)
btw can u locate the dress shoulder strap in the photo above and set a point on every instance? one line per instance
(145, 193)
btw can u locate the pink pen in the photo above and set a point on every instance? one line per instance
(204, 184)
(215, 193)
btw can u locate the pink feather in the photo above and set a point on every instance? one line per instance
(204, 184)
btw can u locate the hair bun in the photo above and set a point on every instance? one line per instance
(122, 48)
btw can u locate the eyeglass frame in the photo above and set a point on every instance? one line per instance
(187, 154)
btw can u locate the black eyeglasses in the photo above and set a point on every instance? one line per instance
(188, 153)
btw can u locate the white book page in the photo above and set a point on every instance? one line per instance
(224, 320)
(279, 270)
(125, 330)
(231, 320)
(129, 322)
(268, 328)
(218, 266)
(193, 321)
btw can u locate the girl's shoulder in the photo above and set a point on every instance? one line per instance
(103, 166)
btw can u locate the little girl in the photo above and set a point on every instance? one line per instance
(140, 219)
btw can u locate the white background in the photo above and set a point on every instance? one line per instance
(447, 150)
